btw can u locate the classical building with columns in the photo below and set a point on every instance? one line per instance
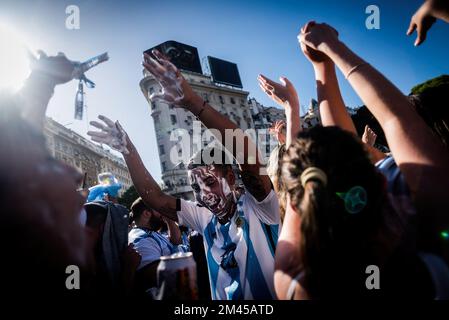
(84, 155)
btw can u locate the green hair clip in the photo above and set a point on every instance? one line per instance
(355, 199)
(444, 234)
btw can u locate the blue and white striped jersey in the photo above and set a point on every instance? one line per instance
(240, 253)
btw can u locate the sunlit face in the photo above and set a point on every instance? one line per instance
(211, 189)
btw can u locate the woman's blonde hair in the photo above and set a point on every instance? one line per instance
(274, 170)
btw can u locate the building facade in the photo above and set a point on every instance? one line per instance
(172, 125)
(82, 154)
(264, 118)
(171, 122)
(312, 116)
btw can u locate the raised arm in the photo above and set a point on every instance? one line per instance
(425, 17)
(421, 158)
(114, 136)
(285, 95)
(174, 233)
(177, 91)
(47, 72)
(330, 101)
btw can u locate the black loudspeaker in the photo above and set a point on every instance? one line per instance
(183, 56)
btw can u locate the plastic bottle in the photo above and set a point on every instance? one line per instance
(79, 102)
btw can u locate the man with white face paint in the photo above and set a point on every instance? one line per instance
(240, 229)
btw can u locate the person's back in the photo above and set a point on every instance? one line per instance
(107, 227)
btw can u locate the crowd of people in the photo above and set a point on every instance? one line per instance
(331, 205)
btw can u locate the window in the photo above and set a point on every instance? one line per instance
(173, 119)
(151, 90)
(232, 100)
(156, 118)
(153, 105)
(161, 150)
(221, 99)
(164, 166)
(205, 97)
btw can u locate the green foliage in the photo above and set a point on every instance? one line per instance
(432, 83)
(128, 197)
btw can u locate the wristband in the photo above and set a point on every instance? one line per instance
(202, 109)
(354, 69)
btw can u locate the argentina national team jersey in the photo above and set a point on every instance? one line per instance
(240, 253)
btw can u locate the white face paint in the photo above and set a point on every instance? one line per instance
(169, 78)
(171, 90)
(111, 134)
(212, 190)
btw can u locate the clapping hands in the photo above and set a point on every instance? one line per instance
(319, 37)
(313, 55)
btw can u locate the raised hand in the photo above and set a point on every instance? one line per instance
(421, 21)
(369, 136)
(318, 36)
(278, 130)
(283, 93)
(175, 89)
(57, 68)
(313, 55)
(111, 134)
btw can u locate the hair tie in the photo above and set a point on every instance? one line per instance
(313, 173)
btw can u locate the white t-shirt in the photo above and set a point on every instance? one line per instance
(250, 237)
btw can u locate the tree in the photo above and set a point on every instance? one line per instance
(438, 82)
(431, 100)
(128, 197)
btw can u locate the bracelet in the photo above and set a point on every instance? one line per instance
(353, 69)
(202, 109)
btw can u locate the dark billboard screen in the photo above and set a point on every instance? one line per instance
(183, 56)
(224, 72)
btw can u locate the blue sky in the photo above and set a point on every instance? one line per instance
(259, 36)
